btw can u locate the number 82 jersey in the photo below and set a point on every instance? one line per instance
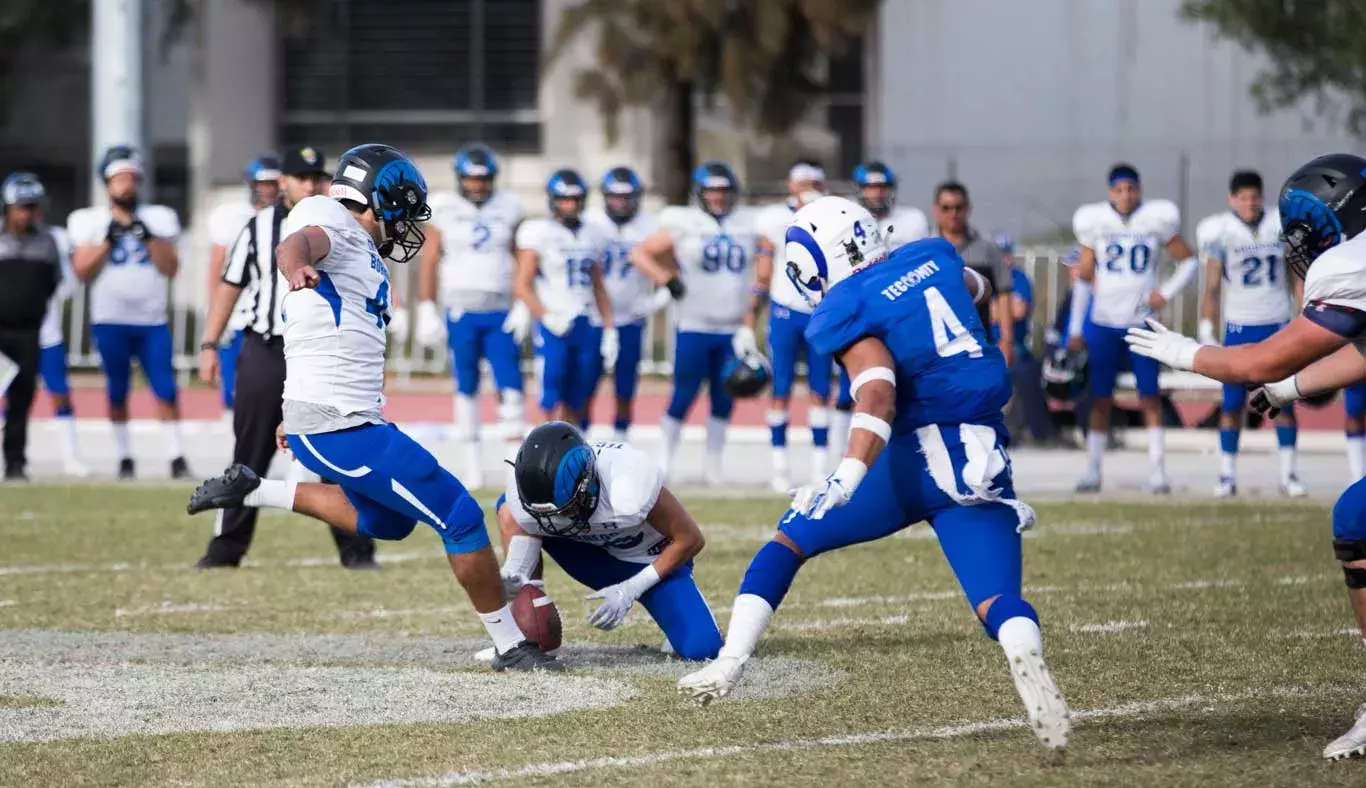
(1126, 250)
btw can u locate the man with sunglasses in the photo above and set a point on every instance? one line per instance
(952, 215)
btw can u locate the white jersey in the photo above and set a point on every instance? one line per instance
(903, 225)
(630, 483)
(567, 258)
(334, 333)
(1126, 252)
(1256, 284)
(477, 262)
(1338, 278)
(773, 221)
(225, 224)
(717, 264)
(129, 290)
(50, 334)
(629, 289)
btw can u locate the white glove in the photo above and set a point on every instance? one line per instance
(611, 346)
(431, 327)
(616, 603)
(523, 556)
(518, 322)
(1205, 333)
(814, 500)
(658, 300)
(557, 323)
(1269, 399)
(1161, 343)
(398, 325)
(743, 342)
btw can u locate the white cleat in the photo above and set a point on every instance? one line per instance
(714, 681)
(75, 469)
(1226, 488)
(780, 484)
(1158, 484)
(1293, 488)
(1048, 715)
(1352, 743)
(711, 477)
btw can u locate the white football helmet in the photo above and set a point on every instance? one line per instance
(827, 242)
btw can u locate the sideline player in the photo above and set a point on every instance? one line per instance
(262, 176)
(623, 224)
(127, 253)
(1119, 244)
(789, 314)
(716, 249)
(1244, 262)
(469, 258)
(1323, 216)
(383, 482)
(559, 279)
(602, 512)
(928, 443)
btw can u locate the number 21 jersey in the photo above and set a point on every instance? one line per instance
(1126, 250)
(1255, 282)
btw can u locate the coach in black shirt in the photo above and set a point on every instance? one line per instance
(256, 414)
(30, 270)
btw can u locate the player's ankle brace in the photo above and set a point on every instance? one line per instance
(771, 572)
(1006, 607)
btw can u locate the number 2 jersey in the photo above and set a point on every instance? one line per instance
(915, 303)
(1255, 282)
(476, 250)
(129, 290)
(1126, 250)
(630, 484)
(716, 259)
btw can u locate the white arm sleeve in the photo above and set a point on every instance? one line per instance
(1081, 299)
(1185, 272)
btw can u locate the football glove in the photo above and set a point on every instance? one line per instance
(518, 322)
(1161, 343)
(1269, 399)
(611, 346)
(1205, 333)
(743, 342)
(398, 325)
(431, 328)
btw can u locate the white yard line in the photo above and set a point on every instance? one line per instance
(1109, 627)
(1121, 711)
(168, 608)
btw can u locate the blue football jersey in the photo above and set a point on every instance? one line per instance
(915, 302)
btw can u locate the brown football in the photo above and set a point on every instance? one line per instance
(536, 614)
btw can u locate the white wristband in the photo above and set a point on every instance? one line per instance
(637, 584)
(850, 473)
(1081, 299)
(523, 555)
(1283, 392)
(871, 423)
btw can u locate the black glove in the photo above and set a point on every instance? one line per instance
(117, 230)
(1261, 403)
(676, 288)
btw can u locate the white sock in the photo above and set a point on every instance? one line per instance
(1356, 456)
(839, 431)
(70, 448)
(1228, 465)
(1020, 635)
(819, 417)
(1157, 448)
(272, 494)
(1096, 441)
(1287, 464)
(466, 417)
(175, 447)
(716, 441)
(123, 443)
(502, 627)
(748, 620)
(296, 472)
(672, 431)
(780, 461)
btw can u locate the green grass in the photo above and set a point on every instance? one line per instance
(1240, 606)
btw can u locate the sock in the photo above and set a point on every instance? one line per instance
(770, 574)
(67, 424)
(777, 428)
(65, 411)
(820, 426)
(839, 431)
(175, 447)
(672, 431)
(1096, 441)
(466, 417)
(1356, 454)
(1286, 438)
(583, 425)
(621, 426)
(503, 629)
(123, 443)
(716, 441)
(1020, 634)
(1005, 609)
(1228, 466)
(748, 620)
(1157, 448)
(780, 462)
(1228, 449)
(273, 494)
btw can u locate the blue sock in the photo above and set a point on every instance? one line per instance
(65, 411)
(621, 425)
(777, 435)
(583, 424)
(1286, 436)
(820, 437)
(1228, 441)
(1006, 607)
(1356, 434)
(771, 572)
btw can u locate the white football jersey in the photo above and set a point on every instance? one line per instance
(334, 333)
(50, 334)
(225, 224)
(630, 289)
(1126, 252)
(477, 262)
(630, 483)
(1256, 284)
(129, 290)
(773, 221)
(1338, 277)
(903, 225)
(567, 258)
(717, 264)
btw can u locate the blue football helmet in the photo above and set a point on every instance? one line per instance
(714, 175)
(556, 475)
(387, 182)
(22, 188)
(621, 191)
(476, 161)
(120, 158)
(567, 183)
(262, 169)
(875, 173)
(1322, 204)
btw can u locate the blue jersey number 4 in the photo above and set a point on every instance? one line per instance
(951, 337)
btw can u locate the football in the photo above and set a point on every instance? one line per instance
(536, 614)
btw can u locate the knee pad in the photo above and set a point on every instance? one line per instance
(1346, 550)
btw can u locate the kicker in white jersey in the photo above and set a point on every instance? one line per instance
(629, 290)
(1256, 284)
(717, 261)
(477, 262)
(129, 290)
(1127, 250)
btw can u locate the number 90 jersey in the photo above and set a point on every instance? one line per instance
(1255, 283)
(630, 483)
(915, 303)
(630, 290)
(334, 333)
(1126, 256)
(476, 249)
(716, 259)
(566, 259)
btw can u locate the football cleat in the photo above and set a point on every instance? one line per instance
(525, 656)
(180, 470)
(75, 469)
(714, 681)
(126, 470)
(1226, 488)
(225, 491)
(1048, 714)
(1293, 488)
(1352, 743)
(1158, 484)
(1090, 483)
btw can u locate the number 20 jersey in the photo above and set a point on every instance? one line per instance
(915, 303)
(716, 259)
(1256, 283)
(1126, 250)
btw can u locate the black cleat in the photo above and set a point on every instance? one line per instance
(180, 470)
(126, 471)
(224, 492)
(15, 473)
(525, 656)
(362, 562)
(208, 562)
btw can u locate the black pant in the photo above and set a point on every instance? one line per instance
(1030, 408)
(22, 348)
(255, 415)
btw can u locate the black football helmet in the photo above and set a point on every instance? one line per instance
(556, 475)
(1322, 204)
(746, 376)
(621, 192)
(387, 182)
(1064, 373)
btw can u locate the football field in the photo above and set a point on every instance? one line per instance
(1198, 644)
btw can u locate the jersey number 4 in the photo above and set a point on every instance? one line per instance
(950, 335)
(1139, 257)
(379, 305)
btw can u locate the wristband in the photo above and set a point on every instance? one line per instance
(850, 473)
(636, 585)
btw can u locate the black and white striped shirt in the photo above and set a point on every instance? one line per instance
(251, 266)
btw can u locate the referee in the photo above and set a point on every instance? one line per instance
(261, 364)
